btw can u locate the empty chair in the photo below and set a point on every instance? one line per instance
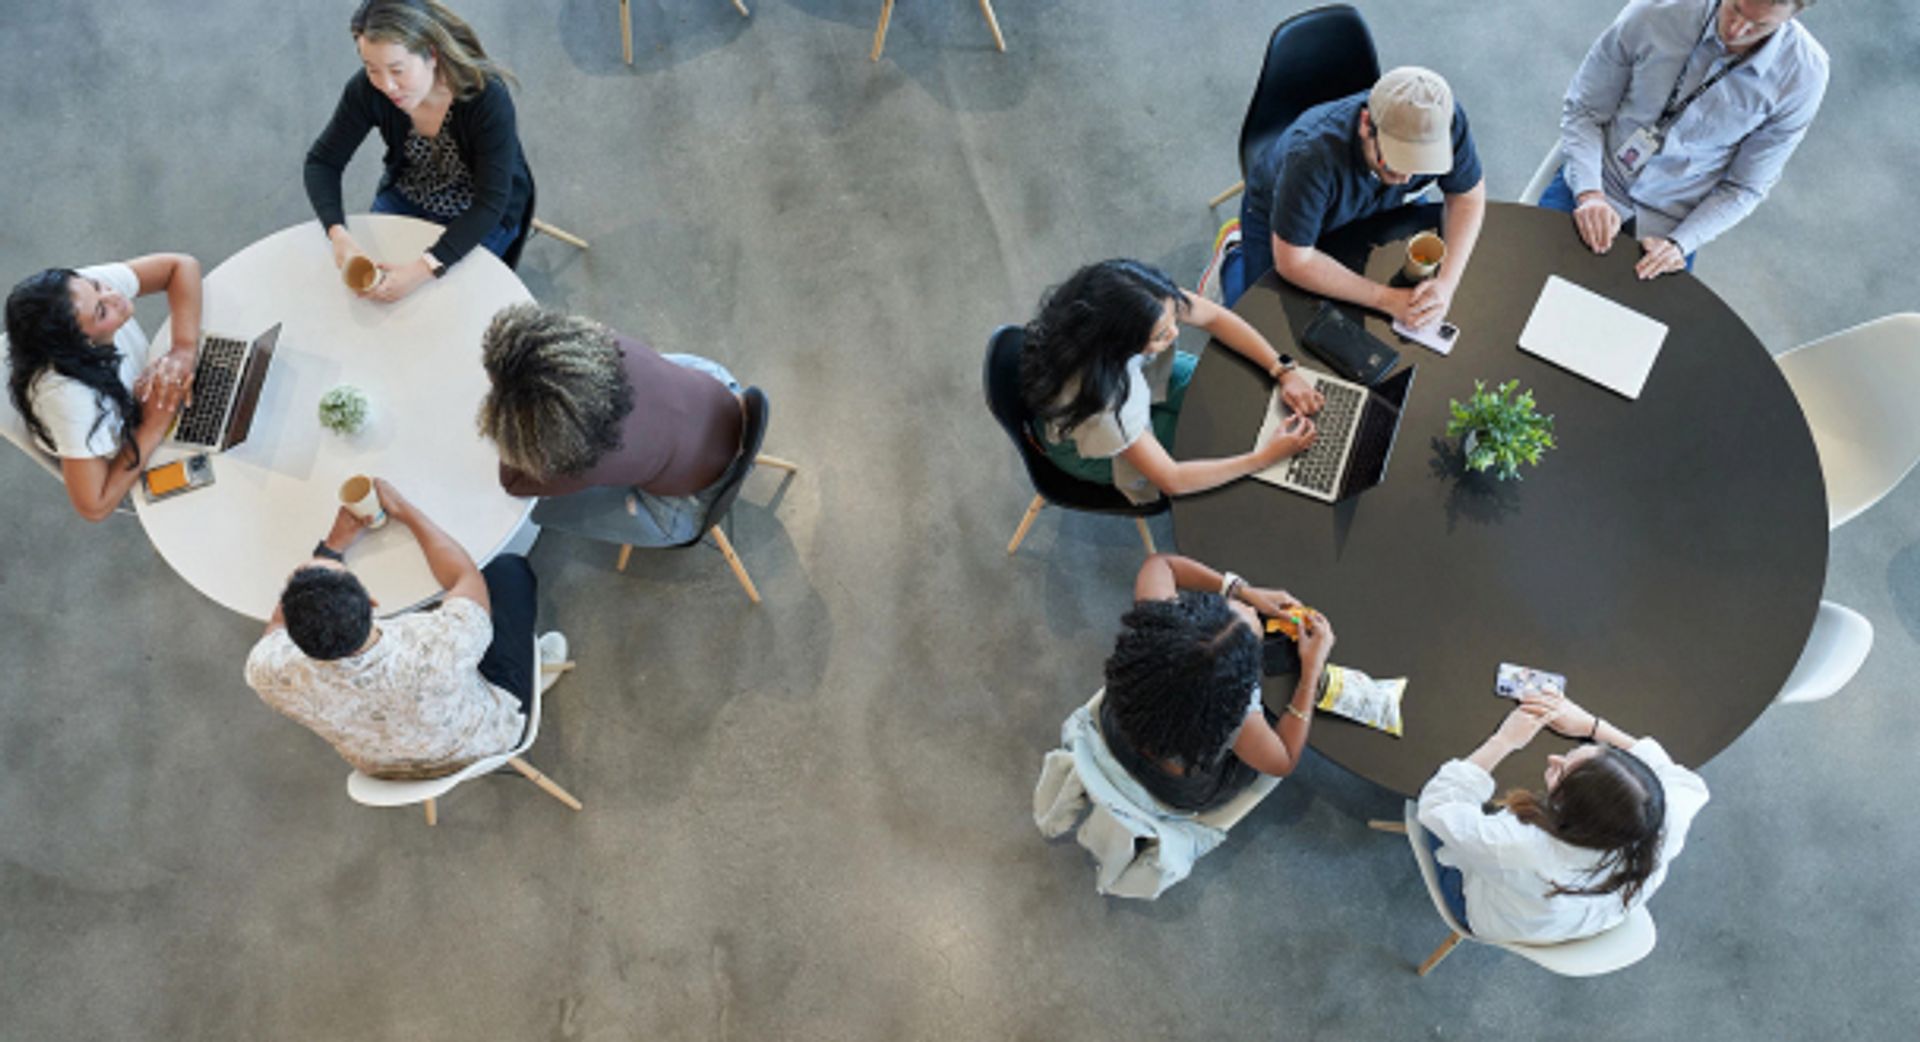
(1835, 651)
(1001, 380)
(1857, 389)
(1312, 57)
(886, 16)
(377, 792)
(1613, 949)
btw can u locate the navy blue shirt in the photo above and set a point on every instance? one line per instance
(1314, 177)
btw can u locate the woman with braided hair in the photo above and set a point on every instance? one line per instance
(1570, 863)
(1183, 712)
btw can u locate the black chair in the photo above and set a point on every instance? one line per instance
(1001, 381)
(534, 224)
(1313, 57)
(752, 434)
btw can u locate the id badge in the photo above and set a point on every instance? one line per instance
(1639, 149)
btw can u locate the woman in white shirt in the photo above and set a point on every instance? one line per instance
(80, 372)
(1105, 389)
(1570, 863)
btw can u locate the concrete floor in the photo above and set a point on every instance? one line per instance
(809, 820)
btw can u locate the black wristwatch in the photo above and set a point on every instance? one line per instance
(1287, 365)
(321, 549)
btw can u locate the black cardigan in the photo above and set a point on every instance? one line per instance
(483, 130)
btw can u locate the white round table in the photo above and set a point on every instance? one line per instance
(418, 360)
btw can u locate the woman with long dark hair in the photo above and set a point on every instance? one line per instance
(1572, 862)
(1183, 711)
(452, 150)
(84, 378)
(1101, 377)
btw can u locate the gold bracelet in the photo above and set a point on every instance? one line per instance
(1296, 712)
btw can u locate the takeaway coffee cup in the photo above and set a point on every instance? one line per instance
(358, 495)
(1425, 251)
(360, 273)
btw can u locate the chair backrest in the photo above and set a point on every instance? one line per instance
(1542, 176)
(1613, 949)
(1857, 389)
(379, 792)
(753, 433)
(1835, 651)
(1312, 57)
(512, 257)
(13, 427)
(1000, 381)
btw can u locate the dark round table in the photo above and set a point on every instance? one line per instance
(1668, 557)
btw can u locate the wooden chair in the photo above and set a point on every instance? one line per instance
(886, 15)
(626, 29)
(535, 224)
(378, 792)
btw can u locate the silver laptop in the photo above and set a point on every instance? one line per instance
(227, 381)
(1585, 333)
(1355, 430)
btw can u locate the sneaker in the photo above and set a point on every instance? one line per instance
(553, 651)
(1227, 241)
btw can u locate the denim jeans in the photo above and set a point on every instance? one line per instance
(389, 200)
(1453, 885)
(1558, 196)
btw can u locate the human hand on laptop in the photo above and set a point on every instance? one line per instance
(1295, 435)
(1299, 394)
(166, 385)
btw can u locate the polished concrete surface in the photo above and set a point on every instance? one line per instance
(810, 819)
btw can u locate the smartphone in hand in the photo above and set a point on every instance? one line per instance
(1514, 681)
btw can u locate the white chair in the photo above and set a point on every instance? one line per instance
(1605, 952)
(376, 792)
(1857, 389)
(1228, 814)
(1835, 651)
(1537, 187)
(14, 427)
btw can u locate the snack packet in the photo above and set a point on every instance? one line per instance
(1359, 697)
(1288, 623)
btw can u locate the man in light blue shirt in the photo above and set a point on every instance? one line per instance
(1681, 118)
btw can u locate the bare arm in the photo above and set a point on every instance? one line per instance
(178, 275)
(1244, 340)
(1179, 477)
(1315, 272)
(449, 563)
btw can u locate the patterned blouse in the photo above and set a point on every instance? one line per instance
(434, 178)
(412, 706)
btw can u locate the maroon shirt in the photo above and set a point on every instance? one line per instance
(682, 433)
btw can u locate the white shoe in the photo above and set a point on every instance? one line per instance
(1224, 243)
(553, 652)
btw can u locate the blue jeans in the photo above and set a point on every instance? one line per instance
(1453, 885)
(389, 200)
(1243, 267)
(1558, 196)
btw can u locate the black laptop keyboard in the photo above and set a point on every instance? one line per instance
(213, 379)
(1318, 467)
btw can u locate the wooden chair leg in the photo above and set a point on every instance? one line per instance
(626, 30)
(993, 25)
(733, 560)
(740, 7)
(1396, 827)
(564, 236)
(433, 814)
(546, 784)
(880, 31)
(1238, 187)
(775, 461)
(625, 552)
(557, 667)
(1146, 535)
(1033, 511)
(1446, 948)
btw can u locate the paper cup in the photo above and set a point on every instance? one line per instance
(360, 273)
(1425, 251)
(358, 495)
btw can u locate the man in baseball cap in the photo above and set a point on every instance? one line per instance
(1354, 157)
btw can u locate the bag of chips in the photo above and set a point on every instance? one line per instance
(1361, 698)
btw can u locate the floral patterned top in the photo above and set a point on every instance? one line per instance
(434, 177)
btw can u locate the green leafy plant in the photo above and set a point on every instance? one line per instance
(1503, 430)
(344, 410)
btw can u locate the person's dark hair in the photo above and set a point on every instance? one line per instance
(1612, 803)
(1181, 677)
(1088, 328)
(42, 334)
(328, 612)
(429, 28)
(559, 391)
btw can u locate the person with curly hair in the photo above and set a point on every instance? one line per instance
(1183, 711)
(1100, 375)
(632, 441)
(84, 378)
(1571, 863)
(453, 152)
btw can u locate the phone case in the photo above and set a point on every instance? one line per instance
(182, 475)
(1514, 681)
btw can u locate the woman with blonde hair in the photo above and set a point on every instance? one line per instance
(452, 150)
(633, 442)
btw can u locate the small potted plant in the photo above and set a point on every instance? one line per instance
(345, 409)
(1502, 430)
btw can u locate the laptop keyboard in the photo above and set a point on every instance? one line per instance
(1316, 468)
(213, 379)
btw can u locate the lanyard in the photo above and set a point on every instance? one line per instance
(1671, 111)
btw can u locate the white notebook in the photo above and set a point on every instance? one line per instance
(1582, 331)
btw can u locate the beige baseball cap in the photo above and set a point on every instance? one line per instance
(1412, 110)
